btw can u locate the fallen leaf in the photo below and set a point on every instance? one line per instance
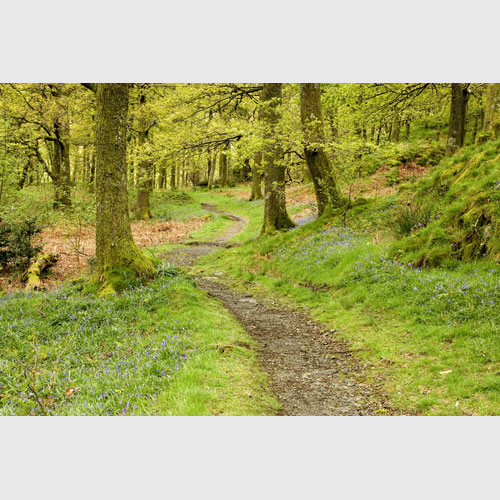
(71, 390)
(445, 372)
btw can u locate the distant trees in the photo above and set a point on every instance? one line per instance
(491, 124)
(211, 135)
(43, 109)
(144, 167)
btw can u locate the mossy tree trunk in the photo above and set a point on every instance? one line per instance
(478, 123)
(458, 108)
(256, 193)
(491, 123)
(396, 127)
(318, 163)
(172, 177)
(212, 159)
(407, 129)
(223, 169)
(275, 214)
(116, 251)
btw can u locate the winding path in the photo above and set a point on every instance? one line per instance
(311, 372)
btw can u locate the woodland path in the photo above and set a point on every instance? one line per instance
(311, 372)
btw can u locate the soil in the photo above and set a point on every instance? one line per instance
(74, 245)
(311, 370)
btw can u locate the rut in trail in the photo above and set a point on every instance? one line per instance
(311, 372)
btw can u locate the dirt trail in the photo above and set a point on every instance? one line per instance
(311, 371)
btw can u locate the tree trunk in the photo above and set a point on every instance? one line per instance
(229, 162)
(61, 174)
(92, 174)
(325, 185)
(162, 178)
(275, 214)
(32, 275)
(144, 182)
(172, 177)
(256, 193)
(212, 162)
(438, 132)
(223, 169)
(407, 127)
(144, 170)
(116, 251)
(61, 165)
(458, 108)
(491, 122)
(478, 120)
(24, 173)
(178, 174)
(396, 127)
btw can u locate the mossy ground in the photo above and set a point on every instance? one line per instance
(462, 200)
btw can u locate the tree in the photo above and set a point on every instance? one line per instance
(458, 109)
(491, 122)
(116, 251)
(144, 170)
(318, 163)
(275, 214)
(256, 193)
(45, 109)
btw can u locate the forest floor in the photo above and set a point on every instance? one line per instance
(311, 371)
(75, 243)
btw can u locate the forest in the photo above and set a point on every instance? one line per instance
(249, 249)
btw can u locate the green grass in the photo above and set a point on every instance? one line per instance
(223, 378)
(161, 348)
(173, 205)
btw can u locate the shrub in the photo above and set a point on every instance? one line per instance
(412, 217)
(16, 246)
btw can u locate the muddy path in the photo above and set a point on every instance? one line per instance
(311, 371)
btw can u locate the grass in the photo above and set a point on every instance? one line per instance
(161, 348)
